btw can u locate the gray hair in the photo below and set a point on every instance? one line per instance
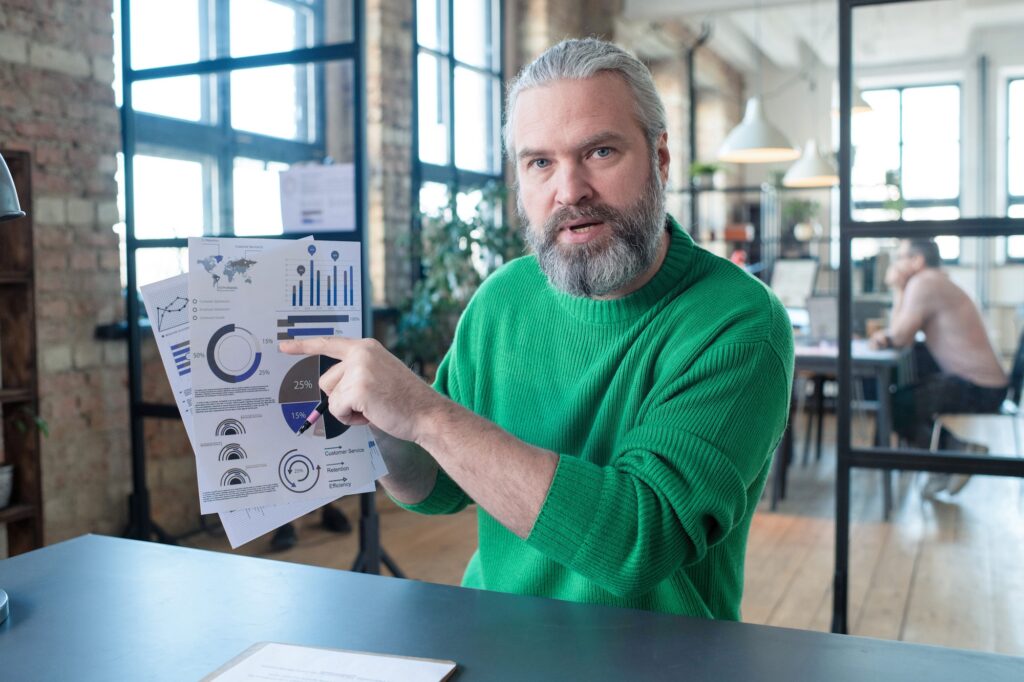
(578, 59)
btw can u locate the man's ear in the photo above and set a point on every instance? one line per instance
(663, 157)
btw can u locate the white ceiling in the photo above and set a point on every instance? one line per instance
(891, 34)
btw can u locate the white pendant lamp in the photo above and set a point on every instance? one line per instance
(756, 140)
(811, 170)
(858, 105)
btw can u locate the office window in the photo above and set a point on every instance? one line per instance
(907, 157)
(458, 98)
(1015, 164)
(209, 147)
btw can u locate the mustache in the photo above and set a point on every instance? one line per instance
(596, 212)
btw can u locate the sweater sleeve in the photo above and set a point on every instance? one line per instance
(679, 481)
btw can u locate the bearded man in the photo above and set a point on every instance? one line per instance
(611, 401)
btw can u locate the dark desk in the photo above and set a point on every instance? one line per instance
(97, 608)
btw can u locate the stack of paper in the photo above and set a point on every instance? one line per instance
(242, 400)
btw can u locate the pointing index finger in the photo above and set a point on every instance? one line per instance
(334, 346)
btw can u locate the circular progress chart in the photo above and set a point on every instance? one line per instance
(233, 354)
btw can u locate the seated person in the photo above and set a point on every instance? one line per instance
(964, 377)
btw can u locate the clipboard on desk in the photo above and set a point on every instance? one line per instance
(291, 661)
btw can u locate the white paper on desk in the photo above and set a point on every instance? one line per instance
(318, 198)
(292, 663)
(248, 398)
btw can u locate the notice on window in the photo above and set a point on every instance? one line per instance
(319, 198)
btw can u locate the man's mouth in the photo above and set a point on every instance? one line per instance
(580, 226)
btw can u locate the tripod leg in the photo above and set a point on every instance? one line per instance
(390, 563)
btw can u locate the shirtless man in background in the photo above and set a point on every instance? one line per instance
(965, 376)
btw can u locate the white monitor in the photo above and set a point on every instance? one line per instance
(793, 281)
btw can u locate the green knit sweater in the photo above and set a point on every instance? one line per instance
(665, 407)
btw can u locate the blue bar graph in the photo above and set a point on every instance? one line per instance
(335, 285)
(293, 296)
(317, 287)
(352, 286)
(328, 290)
(311, 281)
(300, 292)
(312, 331)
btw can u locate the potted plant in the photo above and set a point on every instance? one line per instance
(455, 254)
(894, 194)
(705, 175)
(801, 215)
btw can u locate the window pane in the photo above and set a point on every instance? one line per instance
(931, 114)
(153, 265)
(433, 198)
(474, 33)
(168, 197)
(432, 77)
(876, 142)
(949, 247)
(257, 197)
(932, 213)
(931, 170)
(264, 26)
(180, 97)
(274, 101)
(1017, 109)
(1015, 161)
(432, 24)
(475, 96)
(164, 33)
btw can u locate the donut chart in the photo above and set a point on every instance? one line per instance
(233, 354)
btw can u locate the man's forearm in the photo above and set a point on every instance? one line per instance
(504, 475)
(412, 472)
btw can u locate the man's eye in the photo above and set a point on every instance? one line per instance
(539, 163)
(603, 152)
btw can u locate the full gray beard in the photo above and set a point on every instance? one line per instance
(606, 265)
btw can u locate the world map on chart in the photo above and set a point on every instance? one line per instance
(218, 268)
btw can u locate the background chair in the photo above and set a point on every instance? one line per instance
(999, 432)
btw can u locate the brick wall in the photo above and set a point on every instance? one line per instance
(56, 102)
(389, 55)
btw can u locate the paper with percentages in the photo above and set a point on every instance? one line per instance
(249, 399)
(170, 311)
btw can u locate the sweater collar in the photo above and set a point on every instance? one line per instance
(672, 271)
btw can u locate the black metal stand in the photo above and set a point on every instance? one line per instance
(371, 555)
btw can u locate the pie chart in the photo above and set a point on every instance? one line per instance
(299, 393)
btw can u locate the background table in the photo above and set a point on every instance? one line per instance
(98, 608)
(823, 360)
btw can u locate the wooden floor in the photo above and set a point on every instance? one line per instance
(948, 572)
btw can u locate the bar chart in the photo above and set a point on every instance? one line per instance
(322, 281)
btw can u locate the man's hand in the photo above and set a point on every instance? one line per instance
(881, 339)
(371, 386)
(896, 277)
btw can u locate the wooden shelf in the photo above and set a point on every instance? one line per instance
(18, 364)
(17, 512)
(16, 395)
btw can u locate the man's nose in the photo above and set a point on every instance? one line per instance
(573, 186)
